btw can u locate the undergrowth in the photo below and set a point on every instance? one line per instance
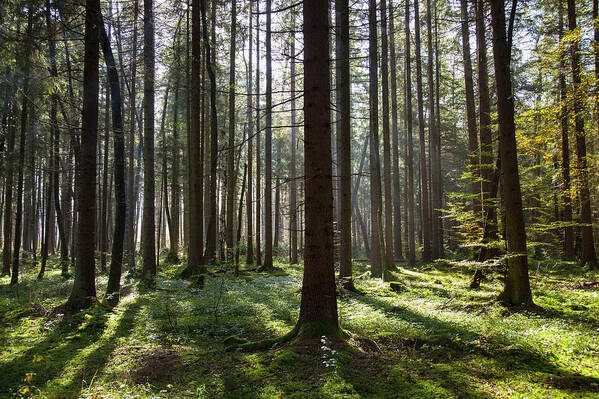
(435, 338)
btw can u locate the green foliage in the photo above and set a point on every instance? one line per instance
(436, 338)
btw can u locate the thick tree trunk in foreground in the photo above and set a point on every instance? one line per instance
(343, 97)
(516, 290)
(84, 286)
(589, 255)
(318, 311)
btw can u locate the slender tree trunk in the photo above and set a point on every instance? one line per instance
(231, 178)
(516, 290)
(375, 171)
(435, 168)
(250, 151)
(210, 253)
(19, 234)
(268, 239)
(130, 217)
(486, 137)
(470, 107)
(343, 98)
(116, 257)
(175, 187)
(258, 143)
(9, 181)
(397, 244)
(240, 215)
(409, 144)
(424, 199)
(589, 255)
(104, 197)
(386, 139)
(148, 221)
(84, 286)
(318, 310)
(568, 246)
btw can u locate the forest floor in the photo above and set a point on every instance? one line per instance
(436, 339)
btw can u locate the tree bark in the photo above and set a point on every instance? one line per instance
(409, 161)
(470, 108)
(84, 286)
(424, 207)
(386, 139)
(343, 97)
(397, 242)
(231, 177)
(268, 239)
(258, 143)
(293, 174)
(589, 255)
(516, 289)
(318, 310)
(148, 221)
(249, 259)
(116, 257)
(377, 244)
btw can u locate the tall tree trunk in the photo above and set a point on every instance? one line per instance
(84, 286)
(210, 253)
(568, 246)
(148, 222)
(175, 187)
(386, 138)
(589, 255)
(318, 310)
(103, 228)
(9, 181)
(239, 216)
(397, 244)
(486, 137)
(375, 169)
(250, 154)
(343, 97)
(424, 199)
(231, 177)
(470, 107)
(516, 290)
(195, 198)
(435, 168)
(19, 234)
(131, 199)
(116, 257)
(409, 161)
(258, 143)
(268, 146)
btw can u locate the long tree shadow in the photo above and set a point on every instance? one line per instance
(516, 358)
(47, 359)
(95, 362)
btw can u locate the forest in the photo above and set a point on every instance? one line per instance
(299, 199)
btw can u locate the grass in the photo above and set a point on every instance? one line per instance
(435, 339)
